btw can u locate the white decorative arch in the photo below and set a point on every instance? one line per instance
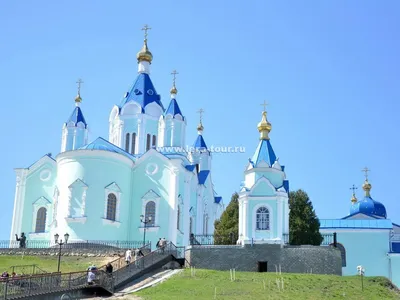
(114, 113)
(262, 180)
(153, 109)
(131, 108)
(112, 188)
(254, 218)
(148, 197)
(41, 202)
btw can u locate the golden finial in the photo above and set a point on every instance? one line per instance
(173, 90)
(144, 54)
(200, 127)
(264, 127)
(366, 186)
(353, 198)
(78, 98)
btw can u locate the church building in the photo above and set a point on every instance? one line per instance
(142, 178)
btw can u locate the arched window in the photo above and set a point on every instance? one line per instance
(154, 141)
(343, 253)
(133, 144)
(127, 142)
(190, 225)
(262, 218)
(111, 207)
(205, 224)
(148, 142)
(41, 220)
(150, 211)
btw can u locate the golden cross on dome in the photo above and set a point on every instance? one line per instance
(79, 82)
(201, 111)
(264, 104)
(366, 170)
(354, 188)
(174, 73)
(145, 28)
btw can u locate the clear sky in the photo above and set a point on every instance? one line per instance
(330, 71)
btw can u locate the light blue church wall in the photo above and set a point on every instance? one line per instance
(181, 229)
(263, 234)
(145, 182)
(69, 138)
(96, 169)
(39, 185)
(130, 126)
(79, 139)
(177, 133)
(366, 248)
(193, 204)
(395, 268)
(151, 126)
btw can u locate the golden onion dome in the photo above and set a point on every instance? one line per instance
(200, 127)
(144, 54)
(173, 90)
(264, 127)
(78, 99)
(367, 188)
(353, 198)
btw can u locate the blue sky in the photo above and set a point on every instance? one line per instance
(330, 71)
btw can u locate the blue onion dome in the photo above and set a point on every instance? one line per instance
(367, 205)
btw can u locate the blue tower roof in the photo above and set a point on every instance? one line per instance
(142, 92)
(202, 176)
(103, 145)
(369, 206)
(173, 109)
(264, 152)
(76, 117)
(200, 144)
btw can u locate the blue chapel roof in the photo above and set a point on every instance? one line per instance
(264, 152)
(368, 206)
(202, 176)
(76, 117)
(355, 224)
(199, 143)
(173, 109)
(104, 145)
(142, 92)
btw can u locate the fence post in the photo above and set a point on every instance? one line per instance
(231, 236)
(5, 289)
(335, 240)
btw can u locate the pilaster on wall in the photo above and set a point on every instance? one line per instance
(173, 204)
(18, 202)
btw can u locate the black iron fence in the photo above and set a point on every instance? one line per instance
(26, 269)
(88, 244)
(231, 239)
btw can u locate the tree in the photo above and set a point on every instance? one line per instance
(227, 227)
(303, 221)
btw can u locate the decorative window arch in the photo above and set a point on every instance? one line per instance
(133, 144)
(148, 142)
(150, 211)
(41, 220)
(111, 207)
(127, 140)
(262, 218)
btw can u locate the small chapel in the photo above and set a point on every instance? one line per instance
(138, 183)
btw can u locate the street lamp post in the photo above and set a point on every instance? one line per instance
(361, 272)
(60, 243)
(145, 221)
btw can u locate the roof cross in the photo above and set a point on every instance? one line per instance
(264, 104)
(146, 28)
(174, 73)
(201, 111)
(354, 188)
(366, 170)
(79, 82)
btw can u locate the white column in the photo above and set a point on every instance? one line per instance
(173, 204)
(186, 207)
(199, 210)
(18, 202)
(240, 217)
(183, 135)
(280, 218)
(139, 137)
(286, 215)
(121, 135)
(172, 140)
(245, 219)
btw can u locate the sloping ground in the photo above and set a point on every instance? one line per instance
(207, 284)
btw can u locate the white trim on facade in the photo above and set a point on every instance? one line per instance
(21, 175)
(254, 220)
(151, 196)
(77, 183)
(41, 202)
(112, 188)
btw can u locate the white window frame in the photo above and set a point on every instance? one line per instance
(271, 218)
(112, 188)
(151, 196)
(38, 204)
(56, 196)
(82, 216)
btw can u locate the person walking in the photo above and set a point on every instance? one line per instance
(128, 256)
(109, 268)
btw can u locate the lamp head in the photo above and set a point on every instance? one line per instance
(66, 237)
(56, 236)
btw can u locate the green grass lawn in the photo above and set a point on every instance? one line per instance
(50, 263)
(249, 285)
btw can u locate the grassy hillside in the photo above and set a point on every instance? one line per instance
(50, 263)
(263, 286)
